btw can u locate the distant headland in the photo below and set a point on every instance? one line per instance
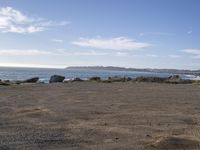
(113, 68)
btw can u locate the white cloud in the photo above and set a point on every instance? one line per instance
(30, 65)
(151, 55)
(58, 52)
(92, 53)
(156, 33)
(18, 52)
(194, 52)
(88, 53)
(119, 43)
(121, 54)
(12, 20)
(174, 56)
(57, 40)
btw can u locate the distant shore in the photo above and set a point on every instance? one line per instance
(112, 68)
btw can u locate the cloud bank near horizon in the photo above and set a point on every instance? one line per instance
(194, 52)
(117, 43)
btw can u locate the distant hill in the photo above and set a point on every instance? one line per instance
(111, 68)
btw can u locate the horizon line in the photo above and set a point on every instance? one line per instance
(62, 67)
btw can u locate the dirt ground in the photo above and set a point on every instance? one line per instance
(100, 116)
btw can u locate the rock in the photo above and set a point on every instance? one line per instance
(119, 79)
(17, 82)
(77, 79)
(150, 79)
(116, 79)
(32, 80)
(56, 78)
(174, 79)
(106, 81)
(95, 79)
(128, 79)
(4, 83)
(148, 135)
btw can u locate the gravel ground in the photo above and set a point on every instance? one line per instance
(100, 116)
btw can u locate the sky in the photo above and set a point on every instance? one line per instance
(124, 33)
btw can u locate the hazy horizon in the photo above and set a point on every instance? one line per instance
(43, 67)
(124, 33)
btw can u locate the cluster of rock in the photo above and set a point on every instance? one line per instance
(4, 82)
(8, 82)
(54, 78)
(174, 79)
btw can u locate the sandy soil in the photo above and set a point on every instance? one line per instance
(100, 116)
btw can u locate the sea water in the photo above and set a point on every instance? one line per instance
(8, 73)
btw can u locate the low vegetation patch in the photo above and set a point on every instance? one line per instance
(29, 111)
(176, 143)
(172, 79)
(150, 79)
(196, 83)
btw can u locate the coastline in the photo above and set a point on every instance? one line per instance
(20, 74)
(173, 79)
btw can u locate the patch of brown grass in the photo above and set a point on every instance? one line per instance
(32, 111)
(176, 143)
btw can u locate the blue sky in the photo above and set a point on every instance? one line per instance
(125, 33)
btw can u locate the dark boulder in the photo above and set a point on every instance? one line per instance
(56, 78)
(174, 79)
(150, 79)
(77, 79)
(119, 79)
(32, 80)
(4, 83)
(128, 79)
(95, 79)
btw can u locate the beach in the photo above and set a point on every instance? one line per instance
(99, 116)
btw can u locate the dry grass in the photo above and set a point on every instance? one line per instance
(176, 143)
(100, 116)
(32, 111)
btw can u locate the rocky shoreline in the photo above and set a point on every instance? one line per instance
(174, 79)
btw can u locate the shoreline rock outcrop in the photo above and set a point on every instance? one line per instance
(56, 78)
(77, 79)
(95, 79)
(32, 80)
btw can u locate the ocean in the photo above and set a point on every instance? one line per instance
(8, 73)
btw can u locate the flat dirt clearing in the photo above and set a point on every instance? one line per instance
(100, 116)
